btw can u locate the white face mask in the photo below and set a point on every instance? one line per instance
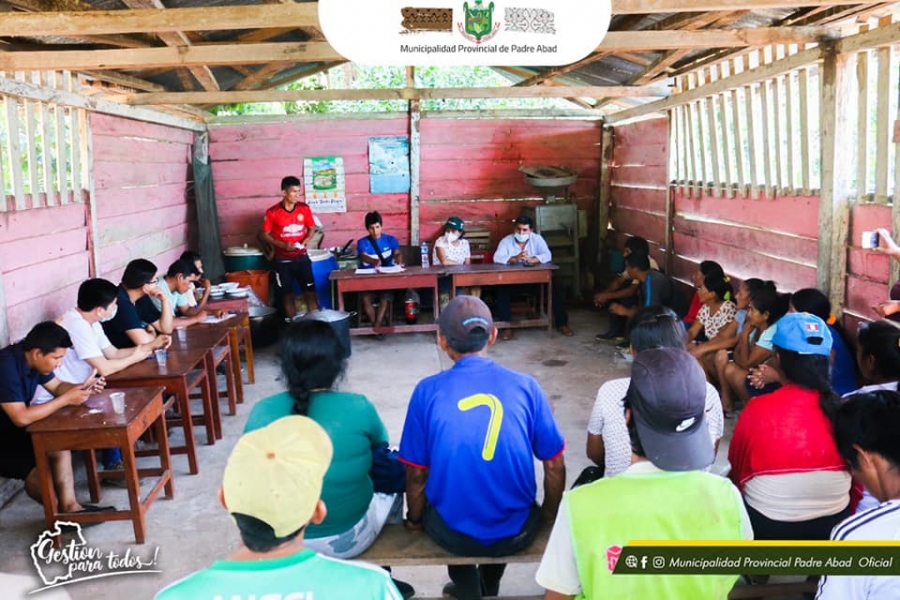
(111, 315)
(452, 236)
(522, 237)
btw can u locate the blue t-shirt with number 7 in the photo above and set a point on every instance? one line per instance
(478, 427)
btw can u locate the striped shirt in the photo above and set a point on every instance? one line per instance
(881, 523)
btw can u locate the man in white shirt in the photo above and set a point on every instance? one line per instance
(526, 247)
(865, 430)
(91, 349)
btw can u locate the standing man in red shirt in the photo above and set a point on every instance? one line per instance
(286, 227)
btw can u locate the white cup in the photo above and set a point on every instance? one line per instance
(118, 402)
(161, 356)
(182, 334)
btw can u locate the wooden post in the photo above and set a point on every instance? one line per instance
(838, 78)
(604, 189)
(671, 173)
(89, 195)
(415, 121)
(4, 317)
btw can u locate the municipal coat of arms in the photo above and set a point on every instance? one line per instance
(479, 22)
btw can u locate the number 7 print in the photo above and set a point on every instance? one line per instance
(493, 430)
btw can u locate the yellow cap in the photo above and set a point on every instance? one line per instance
(275, 473)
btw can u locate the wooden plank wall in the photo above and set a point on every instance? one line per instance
(750, 237)
(867, 271)
(44, 259)
(250, 160)
(638, 184)
(142, 174)
(468, 168)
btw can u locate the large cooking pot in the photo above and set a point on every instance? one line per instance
(339, 321)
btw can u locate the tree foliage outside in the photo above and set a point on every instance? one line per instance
(370, 77)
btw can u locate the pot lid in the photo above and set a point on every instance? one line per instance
(243, 251)
(325, 314)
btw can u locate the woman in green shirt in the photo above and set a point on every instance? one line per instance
(312, 362)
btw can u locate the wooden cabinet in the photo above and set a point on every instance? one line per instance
(558, 224)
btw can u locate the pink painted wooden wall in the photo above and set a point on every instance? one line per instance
(141, 172)
(468, 168)
(867, 271)
(249, 161)
(638, 184)
(750, 237)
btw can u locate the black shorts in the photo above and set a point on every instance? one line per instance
(17, 456)
(299, 270)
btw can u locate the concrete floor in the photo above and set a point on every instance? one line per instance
(192, 530)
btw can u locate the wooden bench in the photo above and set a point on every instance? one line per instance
(398, 547)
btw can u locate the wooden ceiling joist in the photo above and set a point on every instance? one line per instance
(388, 94)
(231, 54)
(154, 20)
(625, 7)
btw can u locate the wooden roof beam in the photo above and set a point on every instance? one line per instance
(178, 39)
(85, 20)
(389, 94)
(623, 7)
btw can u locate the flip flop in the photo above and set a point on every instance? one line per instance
(96, 508)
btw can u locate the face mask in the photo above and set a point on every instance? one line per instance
(452, 237)
(522, 237)
(111, 315)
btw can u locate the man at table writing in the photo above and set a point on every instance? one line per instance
(136, 320)
(378, 249)
(92, 350)
(526, 247)
(176, 285)
(286, 228)
(23, 367)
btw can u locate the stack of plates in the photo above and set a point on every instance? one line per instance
(238, 292)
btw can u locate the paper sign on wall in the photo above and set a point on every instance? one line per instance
(323, 181)
(388, 164)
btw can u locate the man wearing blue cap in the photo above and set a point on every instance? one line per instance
(469, 442)
(795, 484)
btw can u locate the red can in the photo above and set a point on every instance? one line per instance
(412, 311)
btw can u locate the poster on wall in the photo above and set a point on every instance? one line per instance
(323, 182)
(388, 164)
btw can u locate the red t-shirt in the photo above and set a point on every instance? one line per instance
(289, 226)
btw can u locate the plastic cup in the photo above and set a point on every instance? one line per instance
(161, 356)
(181, 332)
(118, 402)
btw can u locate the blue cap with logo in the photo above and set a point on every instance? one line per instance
(803, 333)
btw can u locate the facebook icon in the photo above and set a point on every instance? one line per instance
(643, 562)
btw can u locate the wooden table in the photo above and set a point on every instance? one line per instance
(412, 277)
(240, 329)
(494, 274)
(93, 426)
(184, 371)
(216, 341)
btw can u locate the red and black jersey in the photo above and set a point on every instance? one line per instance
(289, 226)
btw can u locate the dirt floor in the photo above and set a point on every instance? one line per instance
(192, 530)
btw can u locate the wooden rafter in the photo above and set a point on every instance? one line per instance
(83, 18)
(623, 7)
(125, 81)
(389, 94)
(178, 39)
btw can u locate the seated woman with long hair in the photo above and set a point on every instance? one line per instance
(715, 319)
(878, 358)
(313, 361)
(843, 366)
(783, 455)
(754, 343)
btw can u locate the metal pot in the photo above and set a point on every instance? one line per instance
(339, 321)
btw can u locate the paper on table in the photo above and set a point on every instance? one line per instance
(215, 319)
(392, 269)
(364, 271)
